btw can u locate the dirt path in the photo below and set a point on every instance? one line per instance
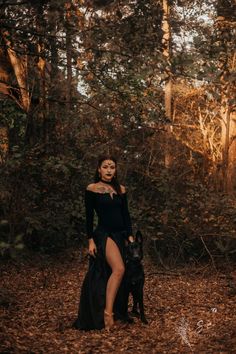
(188, 312)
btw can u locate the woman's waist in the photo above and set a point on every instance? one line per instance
(109, 228)
(112, 223)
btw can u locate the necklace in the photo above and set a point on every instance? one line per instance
(107, 182)
(109, 190)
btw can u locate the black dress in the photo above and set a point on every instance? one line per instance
(114, 222)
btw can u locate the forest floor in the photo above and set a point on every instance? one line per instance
(189, 310)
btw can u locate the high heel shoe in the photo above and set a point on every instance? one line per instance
(108, 320)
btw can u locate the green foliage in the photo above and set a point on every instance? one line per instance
(176, 214)
(12, 117)
(42, 200)
(117, 62)
(11, 249)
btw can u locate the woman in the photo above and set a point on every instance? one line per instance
(101, 300)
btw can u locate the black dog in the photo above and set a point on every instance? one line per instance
(134, 276)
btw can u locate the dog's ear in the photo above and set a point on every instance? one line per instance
(139, 237)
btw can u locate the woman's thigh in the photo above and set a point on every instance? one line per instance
(113, 256)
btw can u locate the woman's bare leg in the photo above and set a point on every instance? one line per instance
(116, 263)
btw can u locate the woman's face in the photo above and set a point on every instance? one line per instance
(107, 170)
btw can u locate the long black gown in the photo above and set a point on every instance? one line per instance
(114, 222)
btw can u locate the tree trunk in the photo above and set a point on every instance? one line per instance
(68, 55)
(231, 177)
(42, 88)
(229, 150)
(168, 84)
(4, 143)
(227, 65)
(69, 69)
(19, 66)
(35, 121)
(5, 68)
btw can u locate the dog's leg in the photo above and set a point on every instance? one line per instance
(135, 308)
(126, 318)
(141, 307)
(134, 311)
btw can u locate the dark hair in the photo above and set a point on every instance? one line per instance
(114, 182)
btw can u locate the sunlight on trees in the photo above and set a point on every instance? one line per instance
(150, 81)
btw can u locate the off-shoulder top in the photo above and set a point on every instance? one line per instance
(112, 212)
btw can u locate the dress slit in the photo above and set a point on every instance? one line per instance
(93, 290)
(117, 249)
(114, 222)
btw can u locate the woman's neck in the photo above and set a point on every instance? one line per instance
(107, 182)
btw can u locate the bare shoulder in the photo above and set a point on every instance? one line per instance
(91, 187)
(94, 187)
(123, 190)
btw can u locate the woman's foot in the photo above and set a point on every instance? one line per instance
(108, 320)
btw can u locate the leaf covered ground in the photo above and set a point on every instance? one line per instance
(190, 310)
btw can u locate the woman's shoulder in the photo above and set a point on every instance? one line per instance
(94, 187)
(91, 187)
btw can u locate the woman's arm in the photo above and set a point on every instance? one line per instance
(89, 211)
(89, 208)
(126, 214)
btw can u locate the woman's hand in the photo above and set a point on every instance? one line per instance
(131, 238)
(92, 248)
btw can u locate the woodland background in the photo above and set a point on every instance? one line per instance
(152, 82)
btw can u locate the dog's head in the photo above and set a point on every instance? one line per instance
(135, 249)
